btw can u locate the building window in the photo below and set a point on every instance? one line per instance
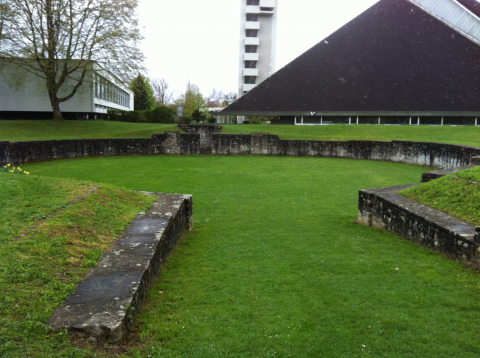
(251, 49)
(249, 80)
(266, 9)
(106, 90)
(252, 17)
(250, 64)
(251, 33)
(253, 2)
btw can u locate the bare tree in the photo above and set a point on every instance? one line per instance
(4, 15)
(229, 98)
(215, 99)
(65, 41)
(162, 95)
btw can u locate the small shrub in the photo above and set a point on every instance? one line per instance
(159, 114)
(254, 121)
(198, 116)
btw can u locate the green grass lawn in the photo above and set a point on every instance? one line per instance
(457, 194)
(43, 130)
(467, 135)
(276, 265)
(43, 257)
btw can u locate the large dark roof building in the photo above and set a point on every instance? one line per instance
(397, 60)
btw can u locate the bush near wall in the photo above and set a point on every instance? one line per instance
(159, 114)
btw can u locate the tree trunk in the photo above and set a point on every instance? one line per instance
(57, 114)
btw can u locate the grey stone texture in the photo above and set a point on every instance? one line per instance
(205, 133)
(383, 208)
(105, 303)
(437, 155)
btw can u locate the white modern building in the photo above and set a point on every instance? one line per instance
(258, 28)
(24, 95)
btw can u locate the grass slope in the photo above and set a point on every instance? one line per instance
(40, 266)
(276, 265)
(456, 194)
(43, 130)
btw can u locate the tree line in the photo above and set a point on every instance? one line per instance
(150, 93)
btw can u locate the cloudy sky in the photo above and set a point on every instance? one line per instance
(199, 40)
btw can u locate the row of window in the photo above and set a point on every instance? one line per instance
(106, 90)
(257, 3)
(251, 48)
(249, 80)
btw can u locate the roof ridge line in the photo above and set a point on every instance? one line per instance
(422, 4)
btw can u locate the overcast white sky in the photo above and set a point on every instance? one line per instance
(199, 40)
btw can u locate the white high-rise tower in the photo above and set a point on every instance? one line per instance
(258, 30)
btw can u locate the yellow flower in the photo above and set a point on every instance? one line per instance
(26, 172)
(8, 164)
(11, 171)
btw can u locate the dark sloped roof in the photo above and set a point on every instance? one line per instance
(392, 59)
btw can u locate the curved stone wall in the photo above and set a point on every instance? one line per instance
(383, 208)
(421, 153)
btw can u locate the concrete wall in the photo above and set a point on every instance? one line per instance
(21, 91)
(421, 153)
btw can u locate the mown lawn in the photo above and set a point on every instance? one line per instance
(466, 135)
(276, 265)
(42, 130)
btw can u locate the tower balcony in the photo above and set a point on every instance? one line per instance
(251, 9)
(255, 41)
(251, 57)
(247, 87)
(252, 25)
(268, 3)
(250, 72)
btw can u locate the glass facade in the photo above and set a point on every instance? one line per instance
(106, 90)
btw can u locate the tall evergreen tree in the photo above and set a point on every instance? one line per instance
(144, 97)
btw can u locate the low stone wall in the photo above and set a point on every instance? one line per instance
(105, 303)
(383, 208)
(205, 133)
(427, 176)
(421, 153)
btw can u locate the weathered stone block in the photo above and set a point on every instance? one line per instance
(105, 303)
